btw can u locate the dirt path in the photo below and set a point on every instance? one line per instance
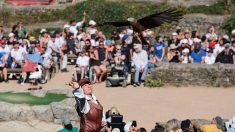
(148, 106)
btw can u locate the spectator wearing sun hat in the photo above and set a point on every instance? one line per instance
(68, 127)
(209, 58)
(140, 59)
(185, 57)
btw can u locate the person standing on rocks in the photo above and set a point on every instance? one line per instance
(88, 107)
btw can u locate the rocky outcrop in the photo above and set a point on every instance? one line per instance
(196, 74)
(43, 113)
(201, 22)
(48, 113)
(15, 112)
(65, 108)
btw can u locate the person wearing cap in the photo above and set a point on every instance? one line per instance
(74, 25)
(110, 48)
(3, 68)
(92, 30)
(68, 127)
(215, 126)
(82, 64)
(126, 50)
(186, 58)
(209, 59)
(140, 60)
(226, 56)
(88, 107)
(53, 48)
(44, 39)
(18, 55)
(4, 48)
(173, 54)
(159, 49)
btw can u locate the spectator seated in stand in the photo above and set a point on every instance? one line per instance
(198, 55)
(33, 58)
(140, 60)
(3, 69)
(82, 64)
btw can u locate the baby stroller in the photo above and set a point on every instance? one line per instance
(118, 75)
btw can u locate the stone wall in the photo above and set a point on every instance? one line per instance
(201, 22)
(186, 3)
(196, 74)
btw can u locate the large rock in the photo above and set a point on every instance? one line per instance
(15, 112)
(43, 113)
(65, 108)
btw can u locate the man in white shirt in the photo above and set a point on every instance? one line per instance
(82, 64)
(219, 47)
(18, 55)
(74, 25)
(140, 59)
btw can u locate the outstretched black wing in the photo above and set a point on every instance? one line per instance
(118, 23)
(158, 19)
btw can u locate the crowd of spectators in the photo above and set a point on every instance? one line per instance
(94, 49)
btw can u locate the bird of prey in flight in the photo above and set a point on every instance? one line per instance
(148, 22)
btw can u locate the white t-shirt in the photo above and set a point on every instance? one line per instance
(218, 49)
(49, 45)
(6, 51)
(59, 42)
(74, 30)
(186, 59)
(83, 61)
(18, 55)
(210, 60)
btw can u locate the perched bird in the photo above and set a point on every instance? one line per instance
(148, 22)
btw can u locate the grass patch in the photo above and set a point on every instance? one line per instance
(26, 98)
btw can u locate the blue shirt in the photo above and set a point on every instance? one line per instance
(197, 57)
(1, 55)
(158, 49)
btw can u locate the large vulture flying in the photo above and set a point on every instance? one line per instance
(148, 22)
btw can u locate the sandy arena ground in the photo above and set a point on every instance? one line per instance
(147, 105)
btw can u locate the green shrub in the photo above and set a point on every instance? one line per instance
(154, 82)
(229, 24)
(36, 32)
(215, 9)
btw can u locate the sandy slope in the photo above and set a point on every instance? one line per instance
(148, 106)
